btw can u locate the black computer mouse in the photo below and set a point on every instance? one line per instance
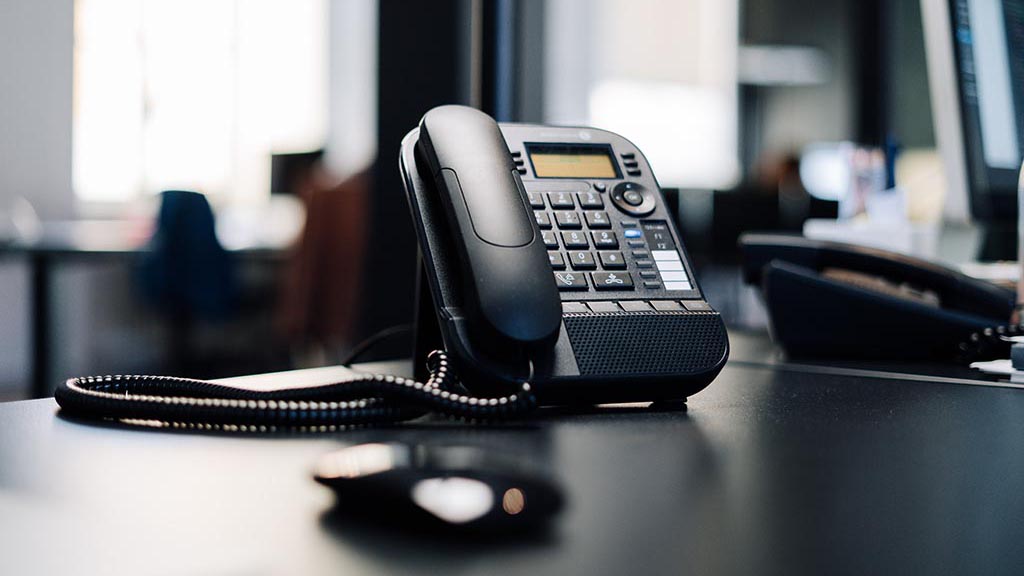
(453, 486)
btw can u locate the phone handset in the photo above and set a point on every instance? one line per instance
(511, 295)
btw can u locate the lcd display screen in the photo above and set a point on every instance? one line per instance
(572, 161)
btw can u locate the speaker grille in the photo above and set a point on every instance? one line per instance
(631, 343)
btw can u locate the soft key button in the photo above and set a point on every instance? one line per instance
(604, 307)
(674, 277)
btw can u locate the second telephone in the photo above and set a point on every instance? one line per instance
(548, 254)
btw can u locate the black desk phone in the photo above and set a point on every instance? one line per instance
(551, 272)
(834, 300)
(550, 256)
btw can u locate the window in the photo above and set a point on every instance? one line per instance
(660, 72)
(195, 94)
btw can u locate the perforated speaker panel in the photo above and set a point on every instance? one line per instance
(660, 343)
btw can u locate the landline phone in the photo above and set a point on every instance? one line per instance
(835, 300)
(550, 271)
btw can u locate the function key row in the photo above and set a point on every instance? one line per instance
(565, 200)
(629, 161)
(600, 280)
(517, 158)
(637, 306)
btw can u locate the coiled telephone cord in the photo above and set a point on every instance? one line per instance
(166, 401)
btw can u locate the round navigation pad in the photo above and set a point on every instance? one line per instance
(633, 199)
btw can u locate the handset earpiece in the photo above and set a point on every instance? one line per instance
(512, 296)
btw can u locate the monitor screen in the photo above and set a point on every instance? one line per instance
(988, 42)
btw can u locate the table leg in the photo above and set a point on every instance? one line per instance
(40, 322)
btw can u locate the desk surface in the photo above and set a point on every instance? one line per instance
(768, 471)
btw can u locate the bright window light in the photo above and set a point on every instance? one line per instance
(662, 73)
(194, 94)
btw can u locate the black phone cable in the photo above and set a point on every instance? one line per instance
(365, 399)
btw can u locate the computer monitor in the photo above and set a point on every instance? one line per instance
(975, 55)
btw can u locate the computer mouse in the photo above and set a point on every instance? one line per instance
(453, 486)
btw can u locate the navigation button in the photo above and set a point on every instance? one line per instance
(570, 281)
(612, 280)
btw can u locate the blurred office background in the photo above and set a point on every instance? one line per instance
(287, 114)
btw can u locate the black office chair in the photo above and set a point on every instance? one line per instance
(187, 275)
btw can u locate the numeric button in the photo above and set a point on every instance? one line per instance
(597, 220)
(557, 260)
(568, 220)
(550, 240)
(612, 261)
(575, 239)
(543, 219)
(536, 199)
(582, 261)
(561, 200)
(605, 239)
(590, 200)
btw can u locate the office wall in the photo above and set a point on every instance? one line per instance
(794, 116)
(36, 42)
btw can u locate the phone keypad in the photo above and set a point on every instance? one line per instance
(593, 249)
